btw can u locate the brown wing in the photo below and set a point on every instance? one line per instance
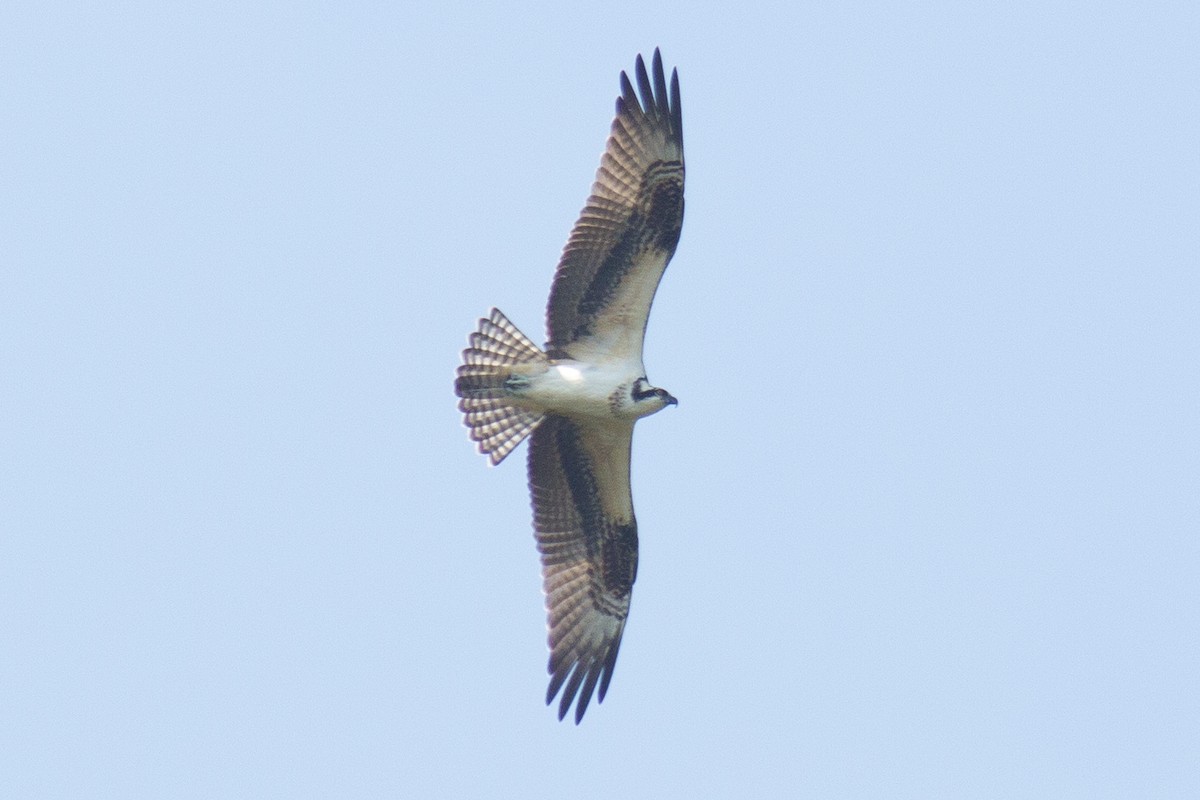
(628, 230)
(587, 535)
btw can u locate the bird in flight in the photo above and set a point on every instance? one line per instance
(579, 397)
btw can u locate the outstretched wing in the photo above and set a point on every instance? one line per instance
(628, 230)
(587, 535)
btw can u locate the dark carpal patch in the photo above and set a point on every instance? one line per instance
(620, 554)
(666, 212)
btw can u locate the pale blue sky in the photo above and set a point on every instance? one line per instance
(924, 523)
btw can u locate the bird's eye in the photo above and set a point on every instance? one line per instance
(642, 390)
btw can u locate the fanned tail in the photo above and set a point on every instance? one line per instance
(494, 422)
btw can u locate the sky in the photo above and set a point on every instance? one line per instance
(923, 524)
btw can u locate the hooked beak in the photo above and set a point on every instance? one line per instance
(671, 401)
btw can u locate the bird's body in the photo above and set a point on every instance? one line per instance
(597, 391)
(578, 398)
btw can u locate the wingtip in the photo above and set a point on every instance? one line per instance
(649, 92)
(628, 97)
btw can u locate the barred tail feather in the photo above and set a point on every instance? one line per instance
(494, 423)
(496, 427)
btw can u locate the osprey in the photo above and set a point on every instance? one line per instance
(581, 395)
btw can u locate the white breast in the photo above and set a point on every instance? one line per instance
(576, 389)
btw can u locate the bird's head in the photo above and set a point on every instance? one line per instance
(645, 399)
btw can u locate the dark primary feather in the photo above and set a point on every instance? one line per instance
(587, 535)
(629, 228)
